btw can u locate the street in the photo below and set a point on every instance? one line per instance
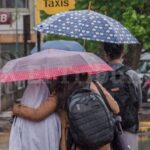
(4, 136)
(144, 143)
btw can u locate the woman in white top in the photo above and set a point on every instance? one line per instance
(32, 135)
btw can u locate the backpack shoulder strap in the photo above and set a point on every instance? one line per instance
(102, 94)
(123, 69)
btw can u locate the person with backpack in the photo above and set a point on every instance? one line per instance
(124, 85)
(83, 109)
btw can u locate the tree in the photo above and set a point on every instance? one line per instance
(132, 14)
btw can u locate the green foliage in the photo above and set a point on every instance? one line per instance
(138, 24)
(135, 15)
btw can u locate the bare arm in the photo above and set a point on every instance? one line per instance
(110, 100)
(36, 114)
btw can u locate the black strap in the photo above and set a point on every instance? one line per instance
(123, 69)
(70, 141)
(102, 94)
(75, 146)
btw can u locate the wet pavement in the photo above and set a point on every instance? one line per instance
(4, 130)
(144, 143)
(4, 136)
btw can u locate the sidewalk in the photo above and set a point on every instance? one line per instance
(4, 129)
(4, 136)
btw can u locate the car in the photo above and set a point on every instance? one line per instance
(144, 74)
(144, 64)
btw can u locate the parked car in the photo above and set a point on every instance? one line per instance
(144, 64)
(144, 73)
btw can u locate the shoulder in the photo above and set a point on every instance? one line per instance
(132, 74)
(134, 77)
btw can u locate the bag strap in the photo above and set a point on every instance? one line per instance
(102, 94)
(123, 69)
(70, 141)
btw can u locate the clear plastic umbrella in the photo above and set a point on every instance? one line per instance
(50, 64)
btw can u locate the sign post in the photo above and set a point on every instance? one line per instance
(16, 17)
(51, 7)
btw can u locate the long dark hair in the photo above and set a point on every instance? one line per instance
(114, 51)
(66, 85)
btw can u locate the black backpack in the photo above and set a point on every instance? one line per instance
(91, 122)
(121, 87)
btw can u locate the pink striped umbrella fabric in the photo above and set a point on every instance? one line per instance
(50, 64)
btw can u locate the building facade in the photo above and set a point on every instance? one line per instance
(12, 14)
(11, 25)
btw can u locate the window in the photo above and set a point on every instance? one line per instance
(12, 3)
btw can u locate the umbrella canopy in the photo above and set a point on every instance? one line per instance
(61, 45)
(50, 64)
(86, 24)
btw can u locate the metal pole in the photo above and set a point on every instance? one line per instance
(38, 41)
(16, 8)
(26, 32)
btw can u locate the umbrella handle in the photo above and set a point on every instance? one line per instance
(84, 43)
(89, 6)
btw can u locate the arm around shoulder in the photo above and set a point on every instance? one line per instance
(37, 114)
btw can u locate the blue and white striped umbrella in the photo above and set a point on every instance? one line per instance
(86, 24)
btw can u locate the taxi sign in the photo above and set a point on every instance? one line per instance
(53, 6)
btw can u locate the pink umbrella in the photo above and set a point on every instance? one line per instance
(50, 64)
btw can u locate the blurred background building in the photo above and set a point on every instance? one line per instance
(12, 14)
(17, 18)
